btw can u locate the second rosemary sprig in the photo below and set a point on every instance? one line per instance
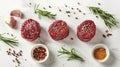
(43, 13)
(107, 17)
(71, 53)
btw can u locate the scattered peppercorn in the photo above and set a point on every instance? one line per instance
(68, 15)
(21, 51)
(66, 6)
(60, 10)
(15, 54)
(7, 33)
(17, 60)
(74, 13)
(13, 60)
(44, 8)
(71, 38)
(49, 6)
(76, 17)
(106, 31)
(30, 3)
(84, 14)
(80, 11)
(25, 59)
(99, 3)
(77, 8)
(72, 8)
(97, 17)
(78, 3)
(11, 34)
(104, 35)
(9, 49)
(109, 34)
(67, 11)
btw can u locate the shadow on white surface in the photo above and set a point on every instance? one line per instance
(72, 38)
(44, 37)
(111, 60)
(97, 38)
(50, 60)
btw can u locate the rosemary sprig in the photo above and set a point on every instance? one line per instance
(107, 17)
(72, 54)
(10, 41)
(44, 13)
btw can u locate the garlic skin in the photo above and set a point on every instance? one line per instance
(16, 13)
(11, 22)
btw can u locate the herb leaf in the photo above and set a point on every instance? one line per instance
(72, 54)
(107, 17)
(44, 13)
(10, 41)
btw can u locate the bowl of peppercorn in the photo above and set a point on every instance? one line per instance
(40, 53)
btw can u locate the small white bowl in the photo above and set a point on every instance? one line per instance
(99, 46)
(47, 52)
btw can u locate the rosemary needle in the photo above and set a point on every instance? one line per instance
(9, 41)
(107, 17)
(72, 53)
(44, 13)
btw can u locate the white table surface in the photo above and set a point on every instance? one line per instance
(82, 48)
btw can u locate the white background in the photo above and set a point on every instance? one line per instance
(82, 48)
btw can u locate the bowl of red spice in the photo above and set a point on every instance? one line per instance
(100, 52)
(40, 53)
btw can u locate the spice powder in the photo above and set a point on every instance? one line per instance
(100, 53)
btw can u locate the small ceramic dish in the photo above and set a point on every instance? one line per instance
(100, 52)
(39, 53)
